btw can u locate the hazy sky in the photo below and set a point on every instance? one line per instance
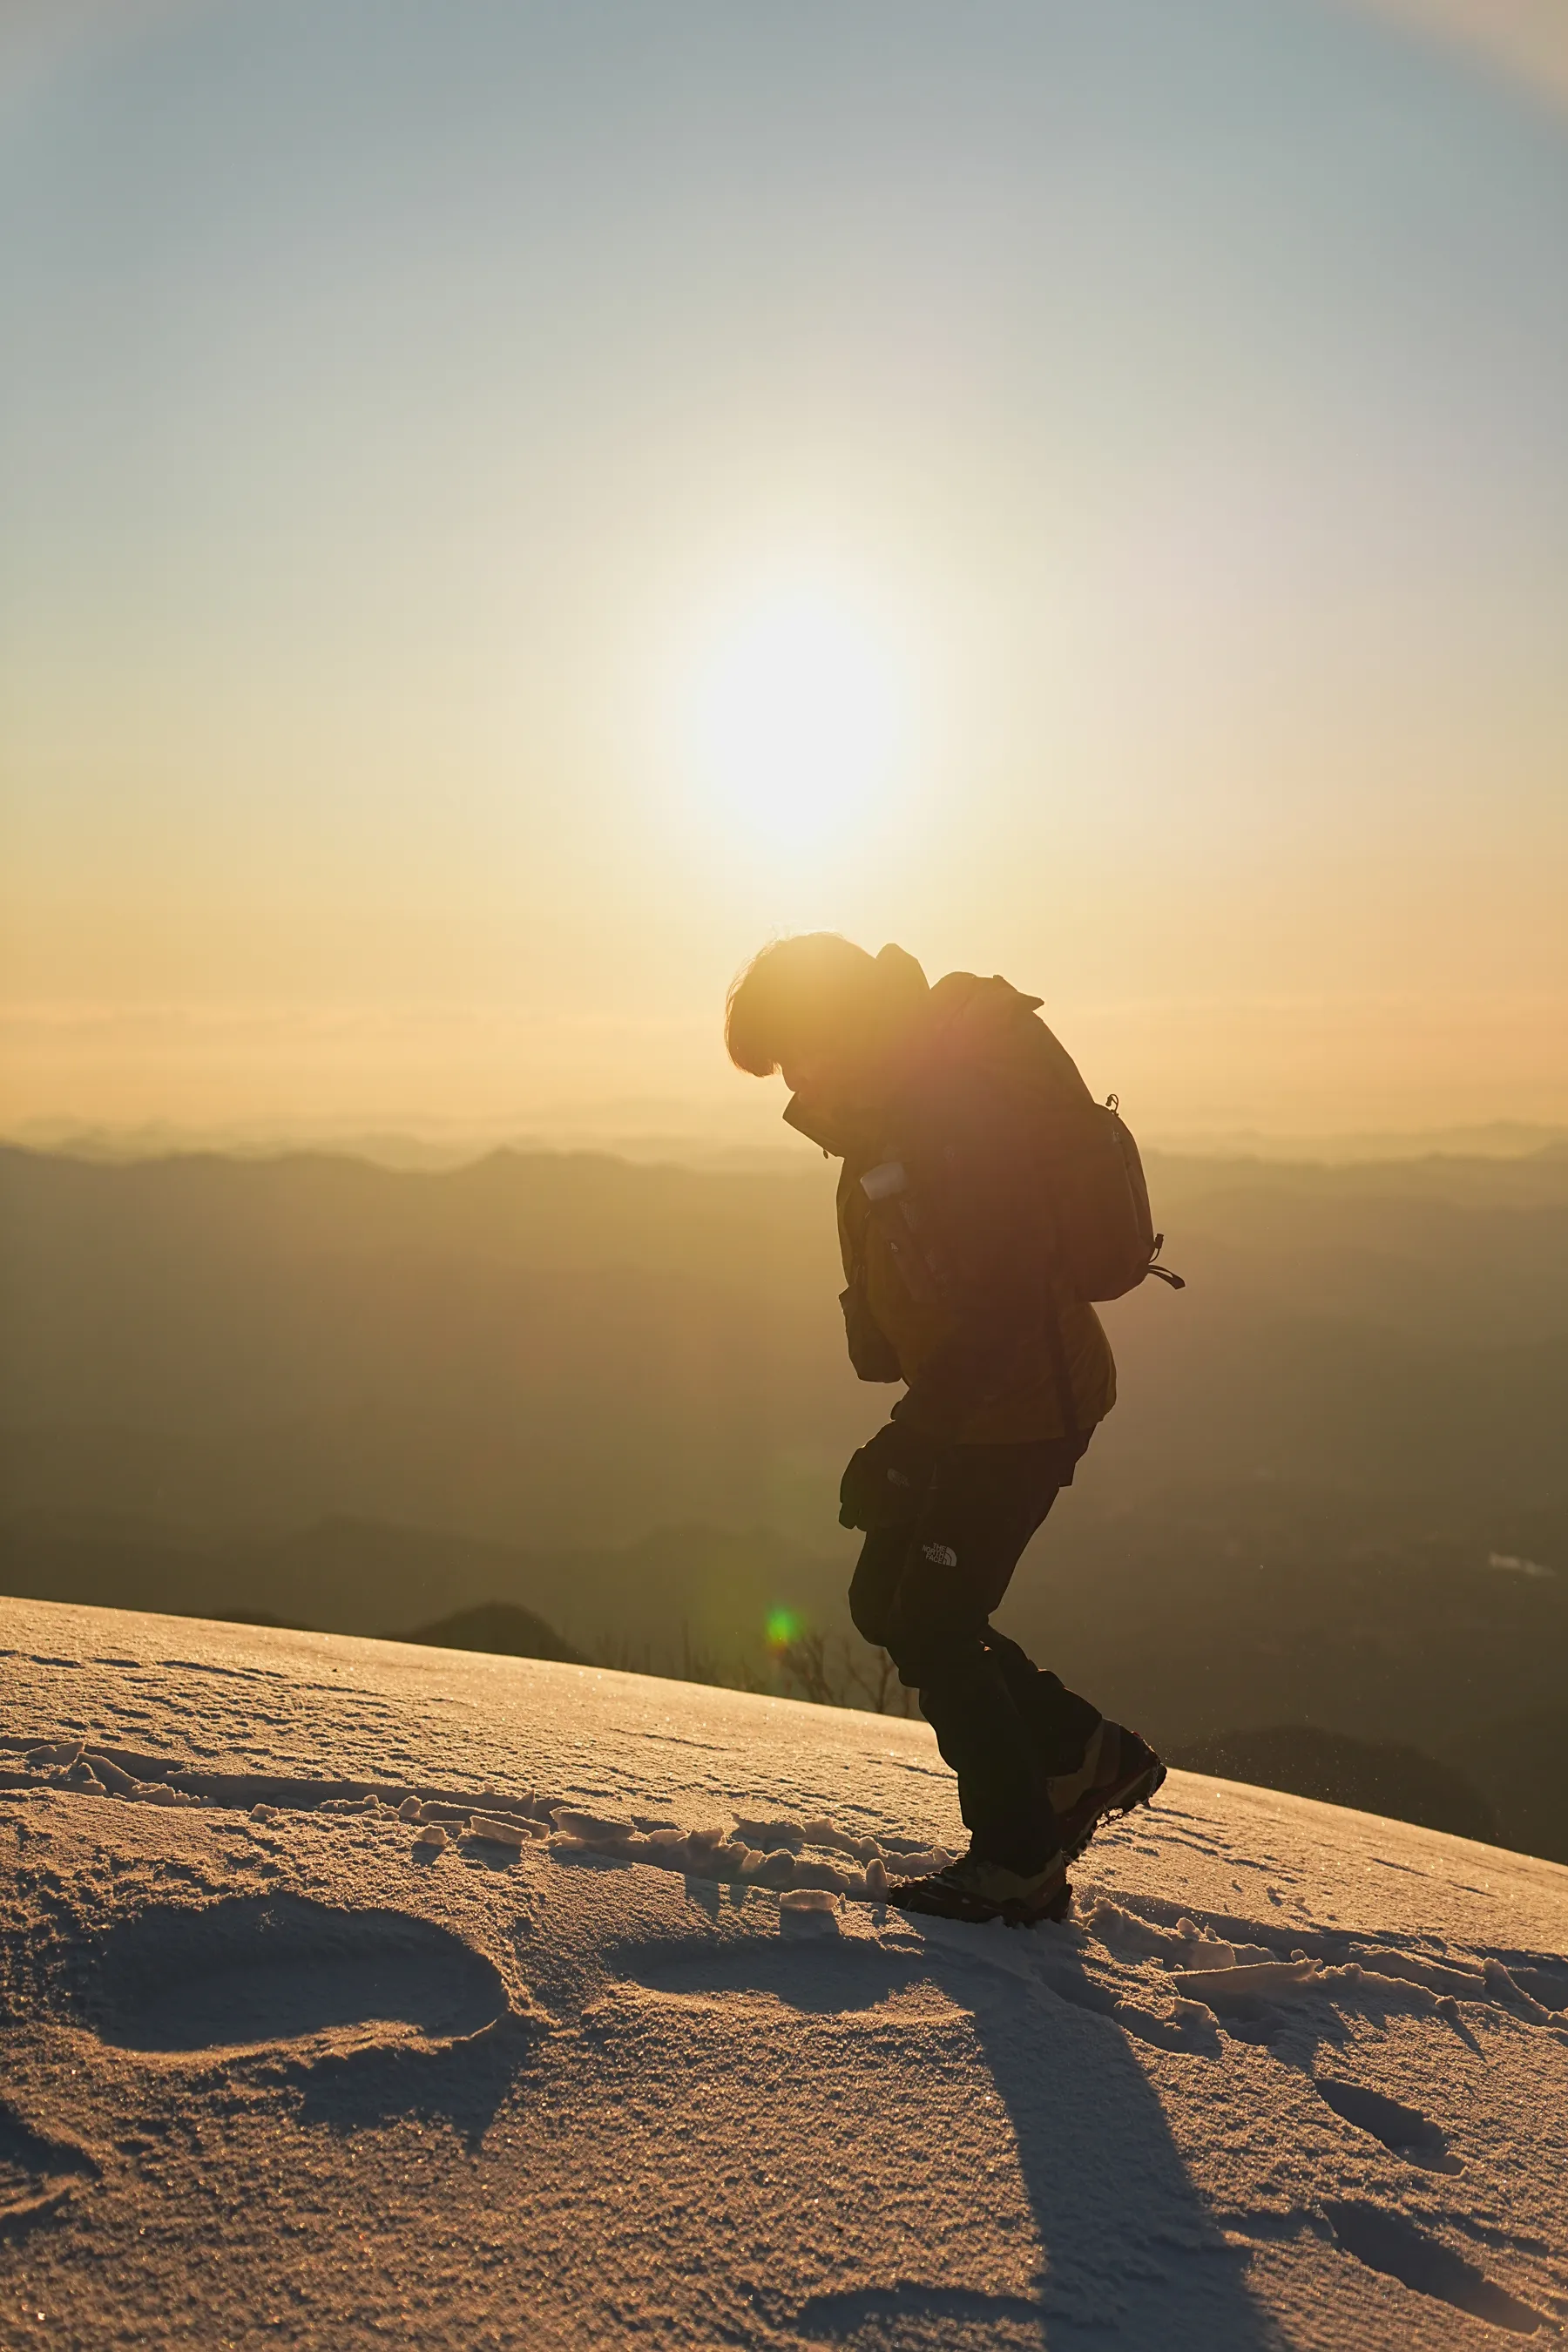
(505, 507)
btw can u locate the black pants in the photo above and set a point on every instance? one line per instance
(924, 1593)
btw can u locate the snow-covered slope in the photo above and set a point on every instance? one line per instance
(283, 2067)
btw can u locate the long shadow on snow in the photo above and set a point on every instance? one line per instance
(1132, 2254)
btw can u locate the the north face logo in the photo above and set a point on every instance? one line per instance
(943, 1554)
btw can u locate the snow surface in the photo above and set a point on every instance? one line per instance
(356, 1993)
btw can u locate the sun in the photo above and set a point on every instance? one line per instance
(798, 715)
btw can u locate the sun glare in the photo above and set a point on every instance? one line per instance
(798, 712)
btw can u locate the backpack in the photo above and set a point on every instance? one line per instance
(1104, 1237)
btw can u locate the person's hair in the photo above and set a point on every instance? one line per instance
(794, 989)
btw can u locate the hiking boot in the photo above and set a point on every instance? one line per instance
(976, 1890)
(1118, 1771)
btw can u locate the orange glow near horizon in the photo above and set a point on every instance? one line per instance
(1078, 492)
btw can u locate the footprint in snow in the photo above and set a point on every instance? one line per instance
(1391, 2243)
(1404, 2131)
(255, 1972)
(37, 2174)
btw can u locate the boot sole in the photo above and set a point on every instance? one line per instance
(976, 1913)
(1138, 1790)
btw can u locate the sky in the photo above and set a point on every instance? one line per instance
(504, 508)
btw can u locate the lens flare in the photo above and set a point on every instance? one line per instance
(784, 1628)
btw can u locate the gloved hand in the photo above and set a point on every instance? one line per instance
(886, 1482)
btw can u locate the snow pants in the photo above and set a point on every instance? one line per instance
(924, 1591)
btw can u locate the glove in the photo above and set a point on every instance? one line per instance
(886, 1482)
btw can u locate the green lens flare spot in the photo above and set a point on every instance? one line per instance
(784, 1628)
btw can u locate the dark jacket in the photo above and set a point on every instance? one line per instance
(945, 1229)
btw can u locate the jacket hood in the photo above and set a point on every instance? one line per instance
(901, 997)
(962, 1014)
(964, 1005)
(901, 986)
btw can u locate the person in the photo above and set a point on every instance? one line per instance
(953, 1287)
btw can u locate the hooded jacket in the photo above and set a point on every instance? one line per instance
(947, 1252)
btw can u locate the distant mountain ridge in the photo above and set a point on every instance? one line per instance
(644, 1605)
(1371, 1776)
(500, 1629)
(616, 1395)
(554, 1350)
